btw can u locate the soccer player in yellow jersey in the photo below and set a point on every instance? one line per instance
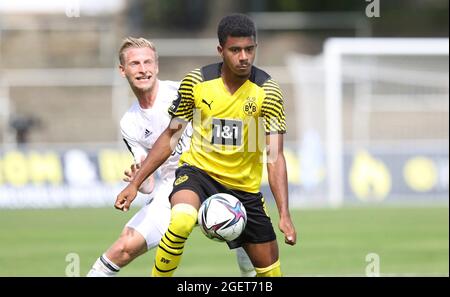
(233, 105)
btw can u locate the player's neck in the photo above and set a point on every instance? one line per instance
(147, 98)
(231, 81)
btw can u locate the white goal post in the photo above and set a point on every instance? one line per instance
(335, 49)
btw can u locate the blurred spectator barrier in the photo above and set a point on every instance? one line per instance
(92, 177)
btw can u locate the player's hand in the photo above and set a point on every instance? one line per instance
(287, 227)
(124, 199)
(147, 185)
(134, 168)
(130, 174)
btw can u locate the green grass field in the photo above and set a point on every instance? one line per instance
(409, 241)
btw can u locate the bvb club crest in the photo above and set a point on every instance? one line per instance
(250, 106)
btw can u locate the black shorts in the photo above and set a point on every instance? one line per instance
(259, 228)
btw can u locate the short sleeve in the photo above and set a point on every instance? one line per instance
(183, 106)
(272, 108)
(136, 149)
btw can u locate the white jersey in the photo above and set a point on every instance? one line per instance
(141, 128)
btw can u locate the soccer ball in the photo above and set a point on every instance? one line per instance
(222, 217)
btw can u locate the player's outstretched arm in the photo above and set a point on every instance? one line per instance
(160, 152)
(277, 173)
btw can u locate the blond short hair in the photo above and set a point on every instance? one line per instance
(131, 42)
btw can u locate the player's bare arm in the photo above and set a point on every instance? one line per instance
(159, 154)
(277, 173)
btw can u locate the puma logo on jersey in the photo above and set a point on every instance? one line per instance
(147, 133)
(209, 104)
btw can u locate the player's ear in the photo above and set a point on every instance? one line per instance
(220, 50)
(122, 70)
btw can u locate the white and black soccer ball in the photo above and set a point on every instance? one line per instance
(222, 217)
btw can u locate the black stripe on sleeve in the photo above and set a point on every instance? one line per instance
(128, 146)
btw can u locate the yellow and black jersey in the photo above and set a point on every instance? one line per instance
(229, 129)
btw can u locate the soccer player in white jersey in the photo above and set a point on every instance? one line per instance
(141, 126)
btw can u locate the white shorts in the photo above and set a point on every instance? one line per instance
(153, 219)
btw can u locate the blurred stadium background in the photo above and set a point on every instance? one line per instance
(368, 119)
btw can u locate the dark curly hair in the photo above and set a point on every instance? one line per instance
(235, 25)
